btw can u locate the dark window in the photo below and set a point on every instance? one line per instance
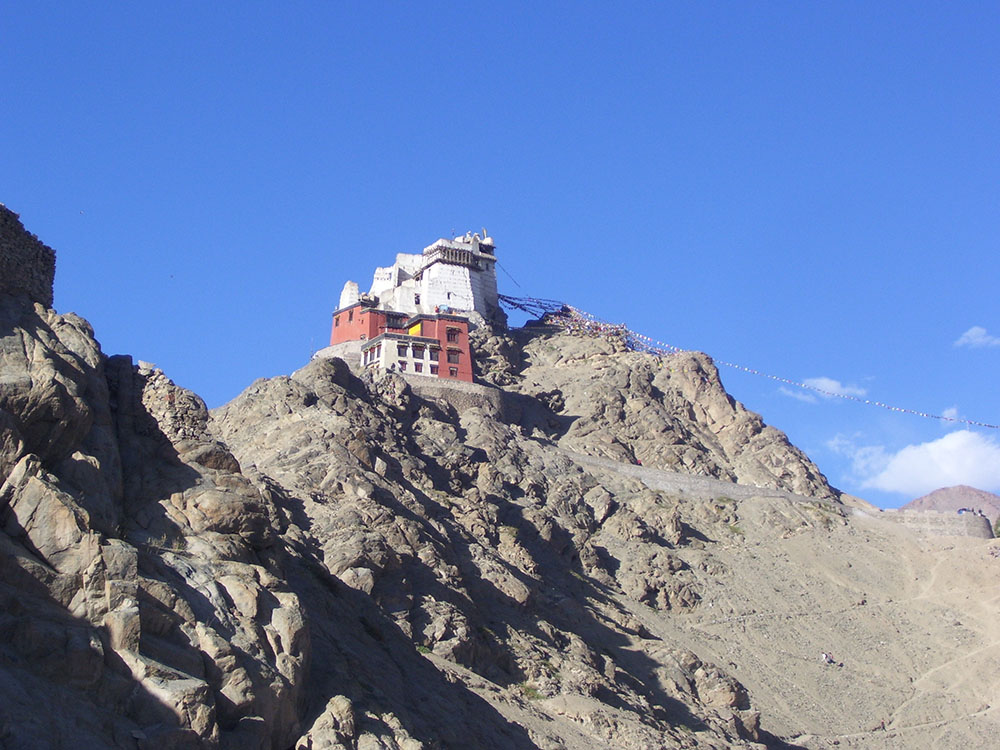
(453, 358)
(453, 371)
(350, 316)
(400, 350)
(452, 335)
(418, 366)
(434, 369)
(378, 350)
(435, 353)
(336, 321)
(418, 351)
(416, 299)
(402, 366)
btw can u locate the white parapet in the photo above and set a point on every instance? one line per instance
(457, 275)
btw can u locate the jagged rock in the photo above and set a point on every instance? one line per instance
(109, 478)
(496, 356)
(333, 728)
(48, 363)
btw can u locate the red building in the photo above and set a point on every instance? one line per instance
(435, 345)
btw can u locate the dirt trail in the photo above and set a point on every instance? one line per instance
(688, 485)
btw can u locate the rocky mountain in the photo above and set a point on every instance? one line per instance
(592, 548)
(951, 499)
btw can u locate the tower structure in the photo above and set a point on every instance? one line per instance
(457, 274)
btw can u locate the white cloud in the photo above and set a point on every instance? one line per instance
(834, 386)
(799, 394)
(950, 414)
(960, 457)
(828, 386)
(977, 338)
(866, 460)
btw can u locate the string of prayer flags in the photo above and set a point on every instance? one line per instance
(577, 321)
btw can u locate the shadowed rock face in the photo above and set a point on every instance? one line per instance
(136, 572)
(330, 562)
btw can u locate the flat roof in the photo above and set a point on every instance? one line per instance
(410, 319)
(368, 305)
(387, 336)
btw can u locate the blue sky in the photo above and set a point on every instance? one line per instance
(807, 189)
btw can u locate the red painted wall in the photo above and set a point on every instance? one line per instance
(438, 329)
(365, 323)
(357, 322)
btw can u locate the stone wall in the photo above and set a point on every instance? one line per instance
(448, 285)
(460, 394)
(27, 266)
(941, 524)
(349, 351)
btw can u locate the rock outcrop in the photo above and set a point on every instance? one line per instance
(670, 413)
(142, 583)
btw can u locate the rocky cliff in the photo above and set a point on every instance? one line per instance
(331, 562)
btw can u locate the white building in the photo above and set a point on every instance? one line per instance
(449, 276)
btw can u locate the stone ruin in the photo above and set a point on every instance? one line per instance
(27, 265)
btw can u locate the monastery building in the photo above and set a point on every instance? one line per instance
(417, 314)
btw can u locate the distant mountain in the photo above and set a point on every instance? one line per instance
(960, 496)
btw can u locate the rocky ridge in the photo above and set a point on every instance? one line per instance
(329, 561)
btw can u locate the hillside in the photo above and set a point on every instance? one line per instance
(334, 562)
